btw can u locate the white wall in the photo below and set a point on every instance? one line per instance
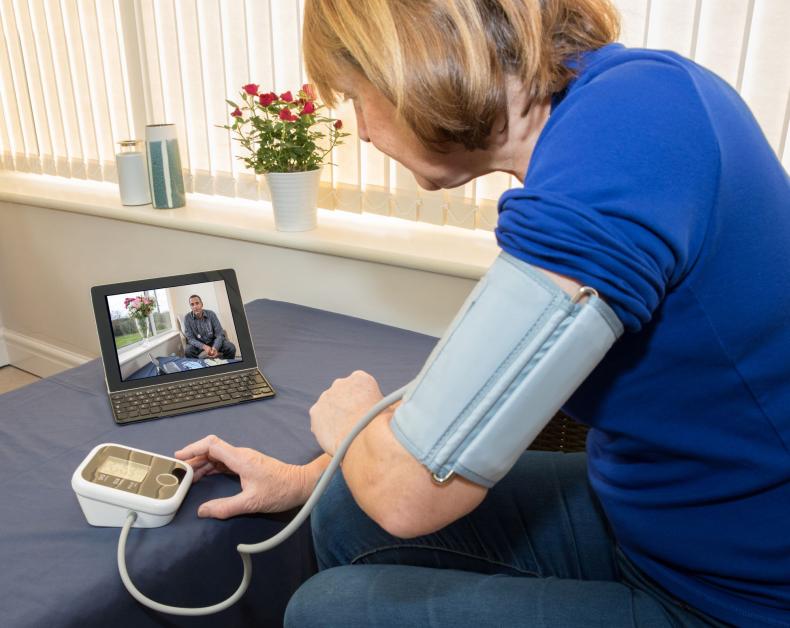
(49, 260)
(214, 297)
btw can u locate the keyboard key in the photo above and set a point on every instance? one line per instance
(189, 404)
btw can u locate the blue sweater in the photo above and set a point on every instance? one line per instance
(653, 183)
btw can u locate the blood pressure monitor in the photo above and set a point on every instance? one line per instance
(115, 479)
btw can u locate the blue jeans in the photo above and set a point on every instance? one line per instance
(538, 551)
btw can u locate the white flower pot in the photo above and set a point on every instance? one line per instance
(294, 199)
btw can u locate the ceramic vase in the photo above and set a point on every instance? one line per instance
(294, 199)
(164, 166)
(132, 173)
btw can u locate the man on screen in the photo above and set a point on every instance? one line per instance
(205, 334)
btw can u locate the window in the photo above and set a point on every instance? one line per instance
(130, 330)
(162, 316)
(77, 76)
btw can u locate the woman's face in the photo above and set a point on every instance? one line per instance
(378, 124)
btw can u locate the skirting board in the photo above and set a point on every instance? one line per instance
(36, 356)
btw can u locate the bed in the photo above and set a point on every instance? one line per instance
(59, 571)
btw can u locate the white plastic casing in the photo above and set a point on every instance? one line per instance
(107, 506)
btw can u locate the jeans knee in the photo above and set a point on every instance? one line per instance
(315, 603)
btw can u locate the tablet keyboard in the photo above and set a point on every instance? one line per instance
(189, 396)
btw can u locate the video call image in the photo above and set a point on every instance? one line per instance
(172, 330)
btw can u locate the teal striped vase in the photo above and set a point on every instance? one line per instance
(164, 166)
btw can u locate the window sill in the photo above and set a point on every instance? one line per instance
(450, 251)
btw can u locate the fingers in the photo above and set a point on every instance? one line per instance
(199, 456)
(193, 450)
(226, 507)
(202, 466)
(197, 465)
(228, 455)
(198, 448)
(207, 468)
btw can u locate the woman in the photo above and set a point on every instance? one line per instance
(646, 178)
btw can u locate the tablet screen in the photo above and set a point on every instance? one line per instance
(163, 330)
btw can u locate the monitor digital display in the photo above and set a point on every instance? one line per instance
(172, 329)
(126, 469)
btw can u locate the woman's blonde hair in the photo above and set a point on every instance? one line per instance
(444, 63)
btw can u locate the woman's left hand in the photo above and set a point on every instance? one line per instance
(267, 484)
(341, 406)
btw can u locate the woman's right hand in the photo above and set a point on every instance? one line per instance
(267, 484)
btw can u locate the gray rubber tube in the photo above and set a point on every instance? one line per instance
(257, 548)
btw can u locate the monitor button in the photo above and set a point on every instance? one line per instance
(166, 479)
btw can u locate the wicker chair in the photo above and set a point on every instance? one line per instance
(561, 434)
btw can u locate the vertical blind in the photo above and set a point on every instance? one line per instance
(77, 76)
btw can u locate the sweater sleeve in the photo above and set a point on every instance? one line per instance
(620, 187)
(219, 332)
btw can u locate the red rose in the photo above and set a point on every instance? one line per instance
(286, 96)
(285, 114)
(309, 90)
(251, 89)
(267, 99)
(308, 108)
(236, 113)
(338, 124)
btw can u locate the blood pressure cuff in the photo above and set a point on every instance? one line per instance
(515, 352)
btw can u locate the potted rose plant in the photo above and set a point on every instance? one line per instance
(287, 138)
